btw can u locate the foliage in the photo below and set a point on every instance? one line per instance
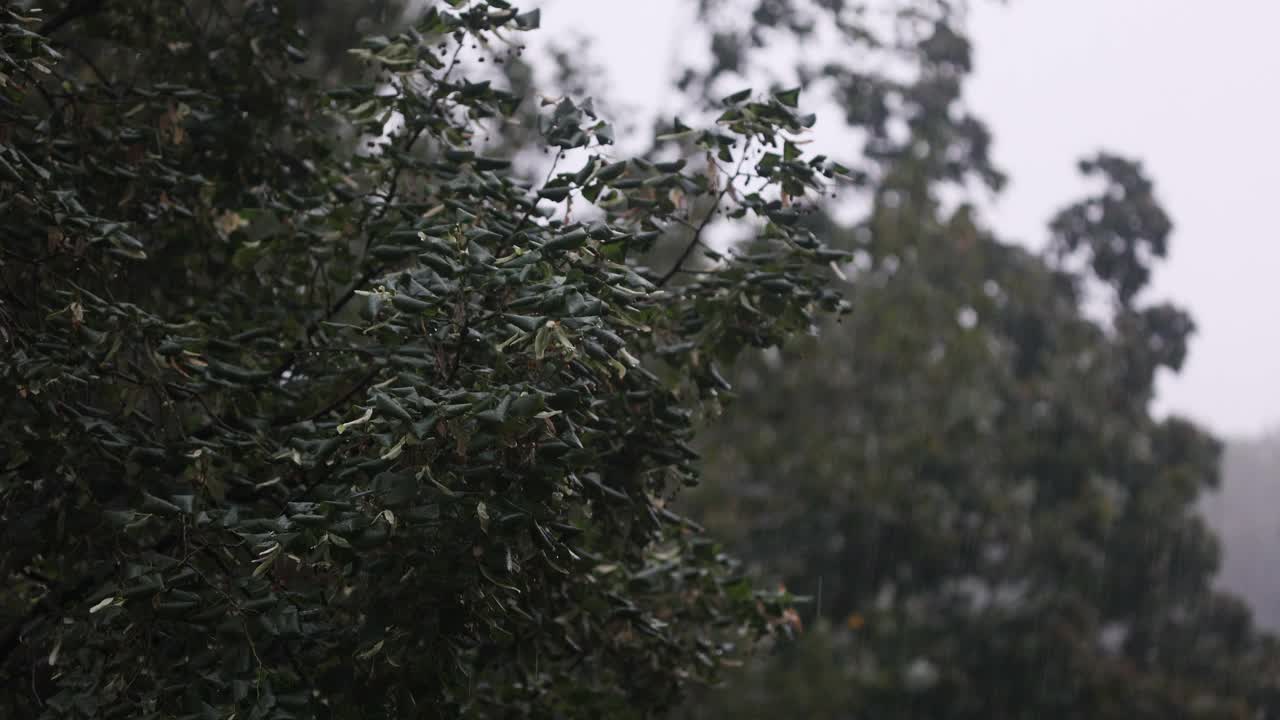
(311, 408)
(964, 473)
(990, 521)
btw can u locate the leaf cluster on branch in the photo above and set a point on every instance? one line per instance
(312, 408)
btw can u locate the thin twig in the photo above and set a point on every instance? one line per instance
(462, 335)
(706, 220)
(88, 61)
(364, 382)
(534, 205)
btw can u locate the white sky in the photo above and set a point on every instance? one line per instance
(1188, 86)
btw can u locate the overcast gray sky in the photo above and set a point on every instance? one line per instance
(1189, 86)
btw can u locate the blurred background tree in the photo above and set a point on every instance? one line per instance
(964, 474)
(965, 477)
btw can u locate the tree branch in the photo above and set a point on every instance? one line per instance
(394, 183)
(57, 600)
(74, 10)
(693, 242)
(362, 384)
(697, 233)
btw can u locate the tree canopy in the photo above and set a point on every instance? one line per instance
(348, 370)
(313, 408)
(965, 474)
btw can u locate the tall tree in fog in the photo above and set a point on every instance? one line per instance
(964, 473)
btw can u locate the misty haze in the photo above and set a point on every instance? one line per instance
(686, 359)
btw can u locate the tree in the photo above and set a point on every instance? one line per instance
(965, 478)
(311, 408)
(964, 474)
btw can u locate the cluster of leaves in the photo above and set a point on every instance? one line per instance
(312, 408)
(895, 70)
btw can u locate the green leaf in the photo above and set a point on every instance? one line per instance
(790, 98)
(409, 304)
(384, 403)
(153, 504)
(542, 340)
(395, 489)
(368, 415)
(555, 194)
(611, 171)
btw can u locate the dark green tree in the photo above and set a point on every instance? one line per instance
(311, 407)
(964, 474)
